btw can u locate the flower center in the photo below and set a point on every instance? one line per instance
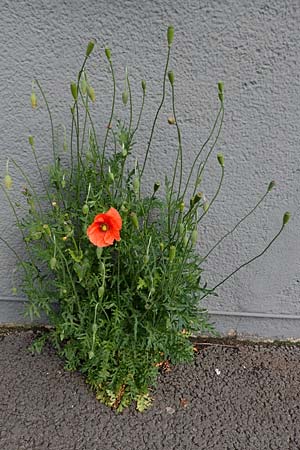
(103, 227)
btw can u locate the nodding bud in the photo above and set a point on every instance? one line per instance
(194, 236)
(156, 186)
(172, 253)
(221, 90)
(83, 85)
(136, 185)
(108, 53)
(286, 218)
(53, 263)
(271, 185)
(220, 158)
(8, 181)
(181, 206)
(144, 85)
(90, 48)
(31, 140)
(125, 98)
(170, 35)
(171, 120)
(101, 291)
(91, 93)
(33, 100)
(85, 209)
(171, 77)
(134, 220)
(74, 91)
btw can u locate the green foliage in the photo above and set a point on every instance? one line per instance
(121, 310)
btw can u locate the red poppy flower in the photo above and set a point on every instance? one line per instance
(105, 229)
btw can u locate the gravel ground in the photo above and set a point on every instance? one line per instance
(232, 397)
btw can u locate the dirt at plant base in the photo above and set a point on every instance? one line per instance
(232, 397)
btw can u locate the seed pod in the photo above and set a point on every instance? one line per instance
(220, 158)
(144, 85)
(271, 185)
(53, 263)
(8, 181)
(125, 98)
(286, 217)
(74, 90)
(170, 35)
(136, 185)
(194, 236)
(90, 48)
(33, 100)
(85, 209)
(185, 240)
(91, 93)
(134, 220)
(108, 53)
(171, 77)
(172, 253)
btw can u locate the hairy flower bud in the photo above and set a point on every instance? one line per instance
(194, 236)
(172, 253)
(83, 85)
(85, 209)
(31, 140)
(8, 181)
(181, 206)
(144, 85)
(206, 206)
(90, 48)
(286, 217)
(171, 77)
(134, 220)
(33, 100)
(91, 93)
(220, 158)
(181, 229)
(156, 186)
(136, 185)
(125, 98)
(221, 91)
(170, 35)
(74, 90)
(271, 185)
(101, 291)
(171, 120)
(146, 259)
(108, 53)
(53, 263)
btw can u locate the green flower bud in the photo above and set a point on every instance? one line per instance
(156, 186)
(220, 158)
(33, 100)
(170, 35)
(101, 291)
(111, 176)
(161, 246)
(31, 140)
(95, 326)
(205, 206)
(146, 259)
(194, 236)
(125, 98)
(172, 253)
(181, 206)
(171, 77)
(83, 85)
(90, 48)
(144, 85)
(185, 240)
(134, 220)
(286, 217)
(271, 185)
(221, 91)
(136, 185)
(91, 93)
(85, 209)
(53, 263)
(108, 53)
(91, 354)
(8, 181)
(181, 229)
(74, 90)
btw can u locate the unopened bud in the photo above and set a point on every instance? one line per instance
(144, 85)
(83, 85)
(286, 217)
(91, 93)
(74, 90)
(111, 176)
(172, 253)
(156, 186)
(33, 100)
(221, 91)
(206, 206)
(108, 53)
(170, 35)
(161, 246)
(181, 229)
(90, 48)
(134, 220)
(85, 209)
(194, 236)
(271, 185)
(31, 140)
(53, 263)
(181, 206)
(125, 98)
(8, 181)
(146, 259)
(171, 77)
(100, 292)
(220, 158)
(136, 185)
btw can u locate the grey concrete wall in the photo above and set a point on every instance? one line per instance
(253, 46)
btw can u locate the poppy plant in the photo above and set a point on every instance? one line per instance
(105, 229)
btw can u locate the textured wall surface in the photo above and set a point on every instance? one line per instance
(254, 47)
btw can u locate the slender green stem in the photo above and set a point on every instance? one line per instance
(140, 115)
(111, 116)
(214, 197)
(235, 227)
(50, 117)
(13, 251)
(245, 264)
(130, 103)
(40, 172)
(157, 112)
